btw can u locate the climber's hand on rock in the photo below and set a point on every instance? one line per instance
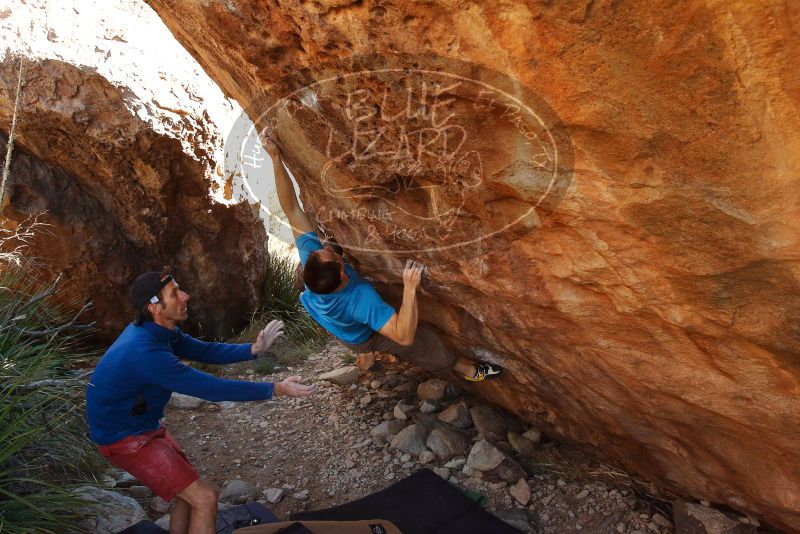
(269, 144)
(293, 387)
(412, 274)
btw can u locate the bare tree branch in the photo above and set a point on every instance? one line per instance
(79, 380)
(54, 330)
(19, 238)
(10, 145)
(41, 296)
(18, 314)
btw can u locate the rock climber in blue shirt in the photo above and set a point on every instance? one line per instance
(133, 382)
(348, 306)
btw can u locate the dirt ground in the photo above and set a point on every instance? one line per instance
(319, 451)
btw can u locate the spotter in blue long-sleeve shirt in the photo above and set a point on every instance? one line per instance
(134, 380)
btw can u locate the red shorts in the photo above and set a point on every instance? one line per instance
(155, 459)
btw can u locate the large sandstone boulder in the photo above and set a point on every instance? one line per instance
(120, 198)
(606, 194)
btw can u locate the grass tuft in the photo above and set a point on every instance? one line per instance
(44, 450)
(280, 299)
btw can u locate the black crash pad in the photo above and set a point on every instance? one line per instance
(423, 503)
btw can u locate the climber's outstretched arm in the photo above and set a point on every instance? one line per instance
(298, 219)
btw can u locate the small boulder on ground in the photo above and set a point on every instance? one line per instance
(404, 389)
(457, 415)
(366, 362)
(273, 495)
(428, 420)
(120, 478)
(385, 431)
(108, 512)
(138, 492)
(437, 390)
(456, 463)
(238, 492)
(693, 518)
(159, 505)
(521, 491)
(447, 443)
(185, 402)
(521, 445)
(491, 461)
(429, 406)
(426, 456)
(410, 440)
(401, 410)
(442, 472)
(343, 376)
(484, 456)
(533, 434)
(509, 471)
(491, 423)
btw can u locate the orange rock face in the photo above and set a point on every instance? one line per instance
(608, 199)
(121, 199)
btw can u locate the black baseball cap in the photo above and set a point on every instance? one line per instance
(146, 287)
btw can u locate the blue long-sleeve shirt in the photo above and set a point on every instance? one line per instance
(137, 375)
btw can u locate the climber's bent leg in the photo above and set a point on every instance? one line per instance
(428, 352)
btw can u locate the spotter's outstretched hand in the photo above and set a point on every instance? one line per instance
(293, 387)
(267, 337)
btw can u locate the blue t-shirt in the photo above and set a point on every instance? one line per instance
(352, 313)
(135, 378)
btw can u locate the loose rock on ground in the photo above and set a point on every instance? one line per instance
(332, 448)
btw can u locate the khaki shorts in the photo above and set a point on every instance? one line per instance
(427, 350)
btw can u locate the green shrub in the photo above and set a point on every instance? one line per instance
(43, 444)
(281, 300)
